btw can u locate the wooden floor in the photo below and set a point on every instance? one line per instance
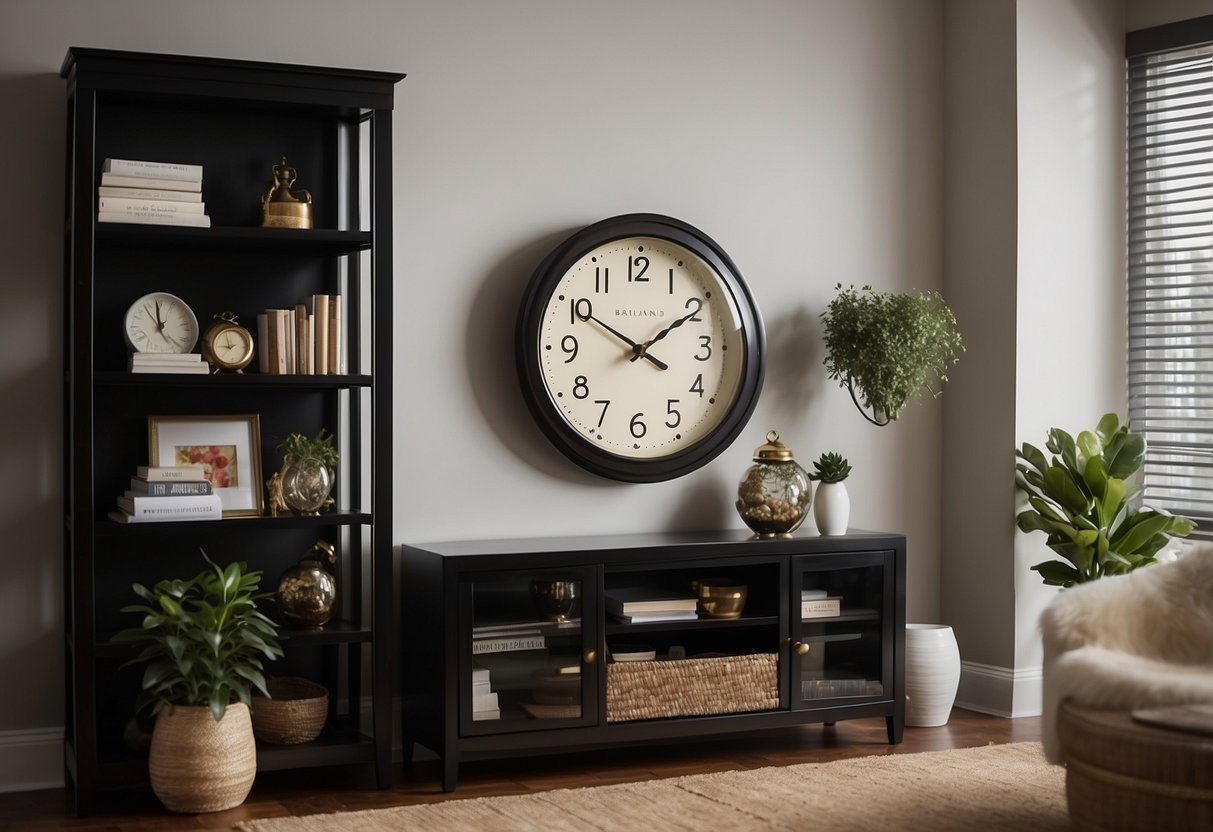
(277, 794)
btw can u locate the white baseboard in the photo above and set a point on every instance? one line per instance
(1000, 691)
(31, 760)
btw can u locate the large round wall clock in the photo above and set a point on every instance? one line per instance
(640, 349)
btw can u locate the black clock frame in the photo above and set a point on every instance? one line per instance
(567, 439)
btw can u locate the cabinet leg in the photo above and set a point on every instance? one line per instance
(894, 724)
(827, 724)
(450, 772)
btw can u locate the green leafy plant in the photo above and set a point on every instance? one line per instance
(1079, 498)
(318, 447)
(205, 639)
(887, 348)
(831, 467)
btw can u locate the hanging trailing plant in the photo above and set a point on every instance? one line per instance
(887, 348)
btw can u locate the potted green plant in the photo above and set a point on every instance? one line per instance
(831, 503)
(887, 348)
(308, 473)
(1079, 498)
(204, 646)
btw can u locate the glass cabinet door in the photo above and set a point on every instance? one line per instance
(527, 655)
(842, 638)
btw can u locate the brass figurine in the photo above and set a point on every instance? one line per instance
(283, 208)
(273, 487)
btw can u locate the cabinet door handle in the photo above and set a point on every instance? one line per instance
(589, 656)
(800, 648)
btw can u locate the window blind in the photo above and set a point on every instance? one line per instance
(1170, 251)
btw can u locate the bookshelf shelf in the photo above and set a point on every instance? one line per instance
(235, 119)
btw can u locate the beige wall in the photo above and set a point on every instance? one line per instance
(1071, 332)
(804, 135)
(1034, 248)
(977, 570)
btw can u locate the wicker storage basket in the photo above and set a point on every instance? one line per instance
(295, 712)
(1123, 775)
(692, 687)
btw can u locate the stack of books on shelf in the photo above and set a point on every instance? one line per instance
(302, 340)
(484, 700)
(816, 603)
(642, 605)
(168, 362)
(168, 493)
(507, 638)
(156, 193)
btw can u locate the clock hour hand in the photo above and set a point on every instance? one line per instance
(641, 350)
(635, 347)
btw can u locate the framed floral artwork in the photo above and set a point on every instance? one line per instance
(226, 449)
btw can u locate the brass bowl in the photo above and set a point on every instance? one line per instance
(556, 600)
(720, 597)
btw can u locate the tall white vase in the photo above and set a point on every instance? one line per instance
(932, 674)
(832, 508)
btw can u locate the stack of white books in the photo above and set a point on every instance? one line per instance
(168, 362)
(157, 193)
(484, 699)
(643, 605)
(168, 493)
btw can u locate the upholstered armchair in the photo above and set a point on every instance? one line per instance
(1113, 648)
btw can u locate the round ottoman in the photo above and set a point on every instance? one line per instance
(1122, 774)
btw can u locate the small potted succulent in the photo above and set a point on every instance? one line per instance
(308, 473)
(205, 643)
(887, 348)
(831, 503)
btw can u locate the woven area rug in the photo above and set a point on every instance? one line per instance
(997, 787)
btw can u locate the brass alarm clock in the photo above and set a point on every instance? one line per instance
(226, 345)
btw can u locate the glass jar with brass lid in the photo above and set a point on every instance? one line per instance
(774, 495)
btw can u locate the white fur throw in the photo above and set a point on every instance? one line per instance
(1131, 641)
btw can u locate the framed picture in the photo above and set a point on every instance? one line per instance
(228, 449)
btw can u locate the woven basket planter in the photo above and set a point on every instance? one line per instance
(294, 713)
(199, 765)
(692, 687)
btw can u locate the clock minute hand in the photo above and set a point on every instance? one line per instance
(635, 347)
(642, 349)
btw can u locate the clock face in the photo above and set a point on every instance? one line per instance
(643, 348)
(232, 346)
(226, 345)
(160, 322)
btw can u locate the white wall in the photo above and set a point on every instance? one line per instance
(804, 135)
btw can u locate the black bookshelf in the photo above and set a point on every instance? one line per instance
(236, 119)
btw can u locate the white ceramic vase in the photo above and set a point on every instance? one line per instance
(932, 674)
(832, 508)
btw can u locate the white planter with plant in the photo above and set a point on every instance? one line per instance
(205, 644)
(1080, 499)
(831, 503)
(887, 348)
